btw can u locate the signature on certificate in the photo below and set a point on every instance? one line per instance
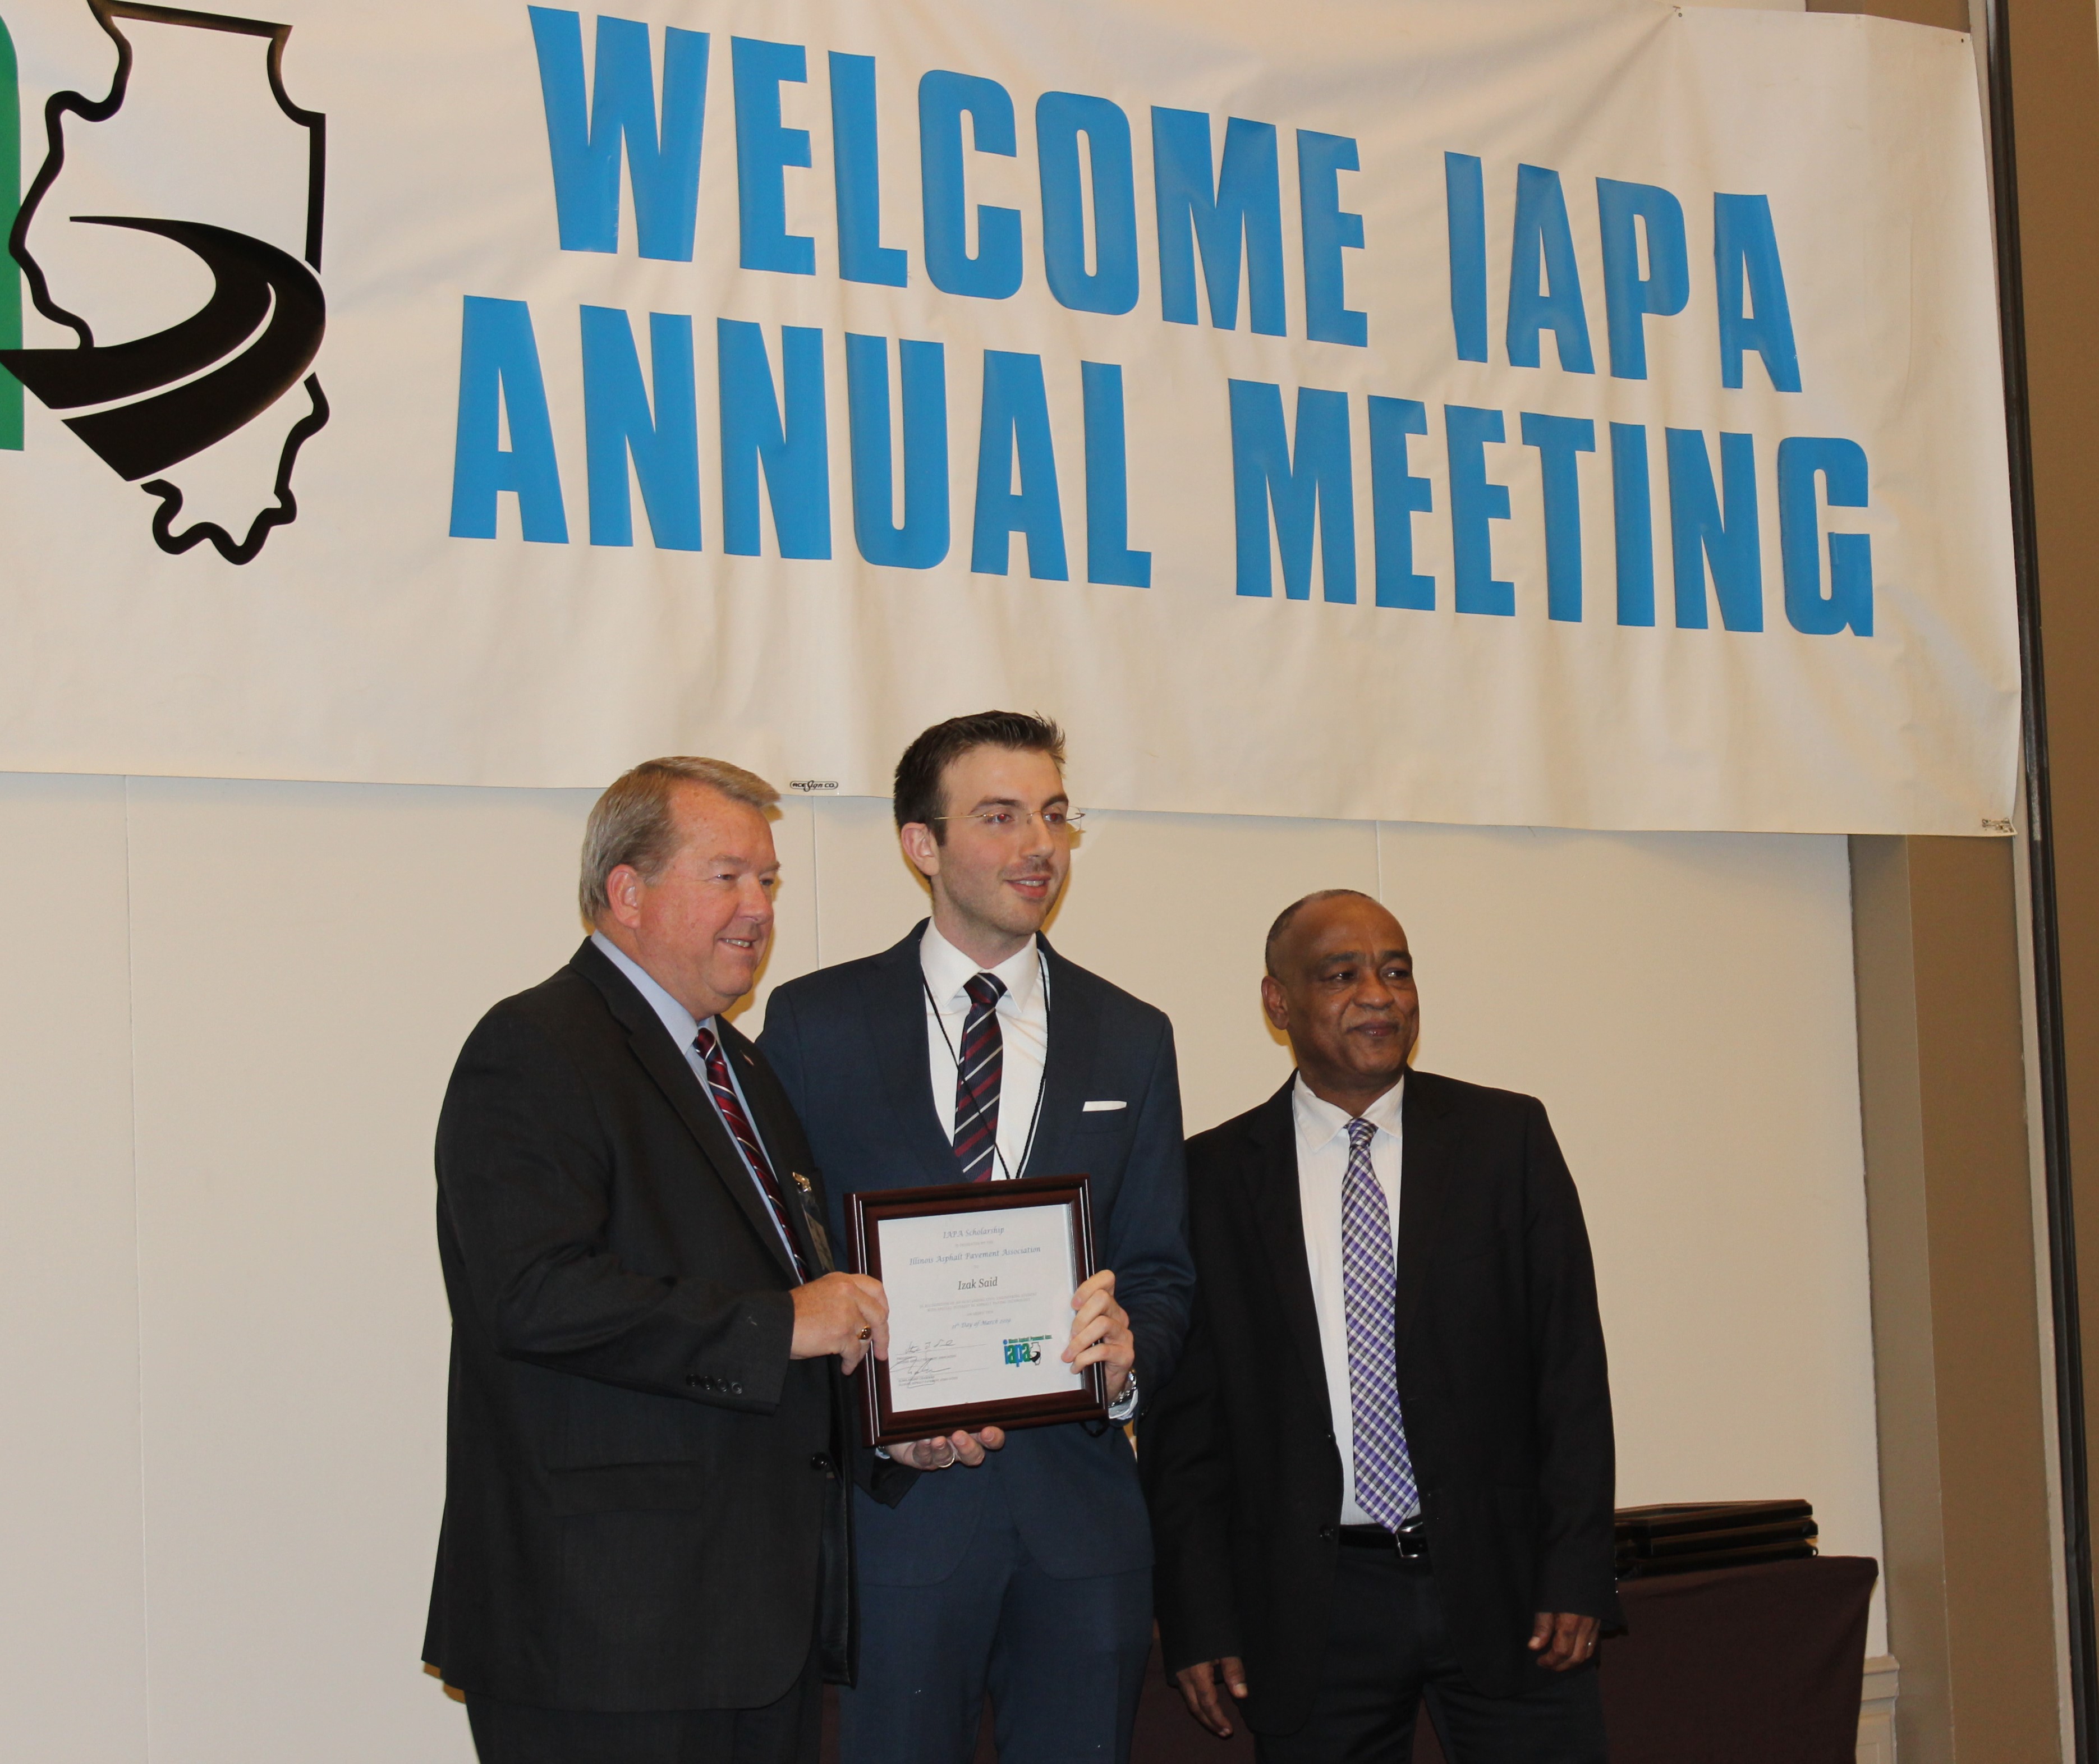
(918, 1364)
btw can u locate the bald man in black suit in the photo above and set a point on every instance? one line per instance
(1384, 1471)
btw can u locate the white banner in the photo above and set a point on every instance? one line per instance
(1517, 411)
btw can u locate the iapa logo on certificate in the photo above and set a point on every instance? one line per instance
(1023, 1350)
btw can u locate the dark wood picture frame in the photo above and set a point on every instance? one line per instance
(882, 1423)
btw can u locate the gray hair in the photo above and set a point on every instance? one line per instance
(1282, 919)
(635, 823)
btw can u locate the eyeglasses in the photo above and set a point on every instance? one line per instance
(1016, 820)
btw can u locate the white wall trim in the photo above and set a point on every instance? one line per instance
(1876, 1711)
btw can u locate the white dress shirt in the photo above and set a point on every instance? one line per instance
(1322, 1162)
(1024, 1024)
(684, 1029)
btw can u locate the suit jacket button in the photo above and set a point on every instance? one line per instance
(821, 1462)
(736, 1390)
(694, 1380)
(1329, 1531)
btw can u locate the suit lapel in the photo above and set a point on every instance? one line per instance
(1279, 1210)
(1074, 1018)
(896, 1018)
(1427, 1169)
(665, 1062)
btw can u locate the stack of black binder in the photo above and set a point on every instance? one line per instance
(1686, 1536)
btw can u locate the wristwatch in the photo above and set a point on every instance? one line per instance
(1124, 1408)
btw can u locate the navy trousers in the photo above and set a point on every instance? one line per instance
(1063, 1660)
(1387, 1652)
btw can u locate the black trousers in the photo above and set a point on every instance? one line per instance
(1387, 1652)
(789, 1731)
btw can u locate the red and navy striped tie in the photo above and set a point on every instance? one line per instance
(977, 1074)
(739, 1124)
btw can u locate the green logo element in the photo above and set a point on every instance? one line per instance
(10, 274)
(1023, 1351)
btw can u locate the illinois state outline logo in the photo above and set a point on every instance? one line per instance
(181, 212)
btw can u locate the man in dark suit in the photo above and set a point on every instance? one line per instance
(1384, 1469)
(972, 1051)
(646, 1555)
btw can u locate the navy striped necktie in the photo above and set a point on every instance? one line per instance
(977, 1073)
(730, 1106)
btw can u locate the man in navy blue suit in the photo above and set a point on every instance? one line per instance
(1017, 1564)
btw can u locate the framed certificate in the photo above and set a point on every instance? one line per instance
(979, 1277)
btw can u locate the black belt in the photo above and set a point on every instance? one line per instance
(1411, 1541)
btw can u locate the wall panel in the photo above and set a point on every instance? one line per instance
(304, 960)
(73, 1595)
(307, 959)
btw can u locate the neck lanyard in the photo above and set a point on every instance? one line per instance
(976, 1108)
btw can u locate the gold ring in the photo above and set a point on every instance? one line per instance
(866, 1332)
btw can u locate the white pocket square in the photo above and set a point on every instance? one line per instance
(1100, 1108)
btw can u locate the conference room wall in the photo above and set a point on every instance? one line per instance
(231, 1010)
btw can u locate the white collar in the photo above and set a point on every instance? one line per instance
(948, 971)
(683, 1025)
(1319, 1120)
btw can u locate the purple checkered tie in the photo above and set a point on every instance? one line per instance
(1384, 1472)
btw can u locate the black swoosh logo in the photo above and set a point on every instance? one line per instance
(261, 296)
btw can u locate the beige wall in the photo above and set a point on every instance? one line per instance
(1973, 1586)
(72, 1600)
(228, 1015)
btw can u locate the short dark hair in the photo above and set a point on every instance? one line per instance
(926, 760)
(1283, 919)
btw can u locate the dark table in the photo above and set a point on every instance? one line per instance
(1738, 1665)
